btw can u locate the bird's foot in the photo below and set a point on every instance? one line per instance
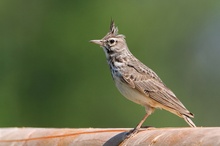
(131, 133)
(134, 131)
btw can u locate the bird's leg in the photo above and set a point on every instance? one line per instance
(135, 130)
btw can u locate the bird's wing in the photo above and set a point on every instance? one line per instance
(148, 83)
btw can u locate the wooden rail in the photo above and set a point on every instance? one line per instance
(109, 137)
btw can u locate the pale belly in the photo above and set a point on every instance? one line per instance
(134, 95)
(139, 98)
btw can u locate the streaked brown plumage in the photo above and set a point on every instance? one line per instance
(136, 81)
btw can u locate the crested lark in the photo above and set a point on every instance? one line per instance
(136, 81)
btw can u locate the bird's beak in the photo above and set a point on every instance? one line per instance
(98, 42)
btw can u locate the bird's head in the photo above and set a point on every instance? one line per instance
(112, 42)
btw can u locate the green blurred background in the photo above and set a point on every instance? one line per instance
(51, 76)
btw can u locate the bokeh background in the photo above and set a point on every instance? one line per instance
(51, 76)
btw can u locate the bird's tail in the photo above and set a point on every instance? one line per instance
(189, 121)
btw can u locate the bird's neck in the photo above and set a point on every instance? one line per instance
(117, 56)
(117, 60)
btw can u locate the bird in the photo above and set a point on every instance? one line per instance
(136, 81)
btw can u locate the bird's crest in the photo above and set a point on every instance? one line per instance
(113, 29)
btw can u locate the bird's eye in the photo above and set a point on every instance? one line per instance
(111, 41)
